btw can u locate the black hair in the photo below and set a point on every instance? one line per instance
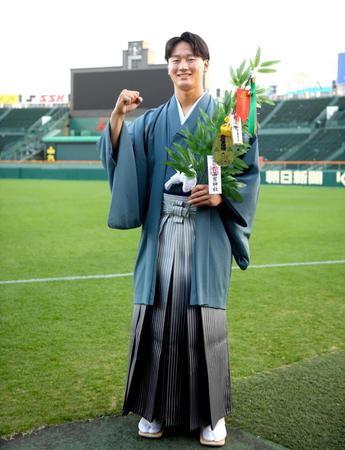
(198, 45)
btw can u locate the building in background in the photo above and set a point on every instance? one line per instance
(94, 90)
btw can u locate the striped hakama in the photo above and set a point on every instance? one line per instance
(179, 370)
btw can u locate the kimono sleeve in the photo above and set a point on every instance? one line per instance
(237, 216)
(127, 173)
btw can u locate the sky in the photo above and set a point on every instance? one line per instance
(42, 40)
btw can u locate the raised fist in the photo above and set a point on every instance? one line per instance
(128, 101)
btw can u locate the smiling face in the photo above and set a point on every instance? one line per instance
(185, 69)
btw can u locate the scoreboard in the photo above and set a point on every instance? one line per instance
(95, 90)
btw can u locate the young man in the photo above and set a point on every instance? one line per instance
(178, 372)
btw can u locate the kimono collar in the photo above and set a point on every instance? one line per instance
(184, 117)
(174, 126)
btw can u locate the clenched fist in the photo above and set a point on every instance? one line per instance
(128, 101)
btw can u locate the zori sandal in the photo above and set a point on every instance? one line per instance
(153, 430)
(214, 437)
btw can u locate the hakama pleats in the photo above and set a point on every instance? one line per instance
(179, 368)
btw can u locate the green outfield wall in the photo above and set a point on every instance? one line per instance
(53, 171)
(94, 171)
(73, 148)
(304, 177)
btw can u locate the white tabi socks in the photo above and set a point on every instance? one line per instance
(152, 429)
(215, 437)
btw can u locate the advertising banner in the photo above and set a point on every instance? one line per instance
(304, 177)
(45, 99)
(9, 99)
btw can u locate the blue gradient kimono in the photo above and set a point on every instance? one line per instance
(137, 179)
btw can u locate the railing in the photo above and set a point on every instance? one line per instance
(43, 162)
(31, 146)
(305, 165)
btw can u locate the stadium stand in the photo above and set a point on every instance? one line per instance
(298, 130)
(275, 146)
(341, 103)
(7, 139)
(339, 116)
(298, 113)
(290, 130)
(323, 146)
(265, 111)
(21, 130)
(21, 119)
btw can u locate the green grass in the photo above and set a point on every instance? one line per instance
(300, 406)
(64, 344)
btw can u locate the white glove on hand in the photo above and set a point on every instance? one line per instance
(180, 177)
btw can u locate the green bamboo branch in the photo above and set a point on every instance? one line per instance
(193, 155)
